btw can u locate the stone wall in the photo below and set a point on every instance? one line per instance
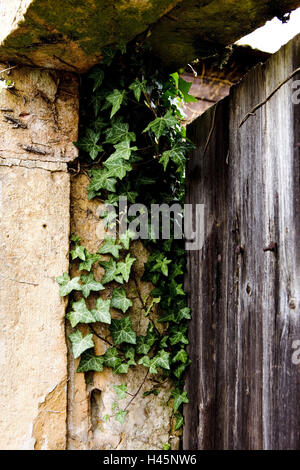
(38, 123)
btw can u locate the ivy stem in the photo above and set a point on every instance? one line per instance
(137, 392)
(98, 336)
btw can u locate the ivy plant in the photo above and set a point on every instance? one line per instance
(134, 145)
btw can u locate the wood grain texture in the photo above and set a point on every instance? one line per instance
(245, 283)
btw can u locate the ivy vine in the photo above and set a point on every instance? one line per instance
(135, 146)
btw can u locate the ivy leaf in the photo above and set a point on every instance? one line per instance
(124, 268)
(125, 238)
(102, 179)
(89, 284)
(120, 416)
(180, 369)
(138, 87)
(168, 317)
(111, 272)
(121, 391)
(120, 301)
(89, 361)
(119, 132)
(108, 55)
(176, 154)
(97, 75)
(181, 356)
(88, 263)
(184, 314)
(111, 358)
(89, 143)
(175, 288)
(185, 87)
(163, 342)
(160, 124)
(179, 421)
(115, 99)
(78, 252)
(123, 150)
(145, 343)
(130, 355)
(145, 361)
(67, 285)
(162, 359)
(74, 238)
(154, 301)
(110, 247)
(122, 332)
(122, 368)
(178, 337)
(117, 167)
(166, 446)
(101, 312)
(79, 314)
(80, 343)
(162, 265)
(179, 399)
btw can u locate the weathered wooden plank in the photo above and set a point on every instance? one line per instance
(244, 284)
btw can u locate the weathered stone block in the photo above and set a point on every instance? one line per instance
(34, 241)
(39, 116)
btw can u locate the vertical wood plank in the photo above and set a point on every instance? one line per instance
(244, 284)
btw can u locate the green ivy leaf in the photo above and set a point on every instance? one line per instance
(123, 150)
(179, 399)
(67, 285)
(122, 332)
(179, 421)
(110, 247)
(102, 179)
(181, 356)
(115, 99)
(78, 252)
(130, 355)
(80, 343)
(162, 359)
(117, 167)
(145, 343)
(89, 284)
(119, 132)
(97, 75)
(185, 87)
(122, 368)
(121, 391)
(111, 358)
(79, 314)
(180, 369)
(184, 314)
(178, 337)
(160, 124)
(125, 238)
(162, 265)
(175, 288)
(138, 87)
(111, 272)
(89, 143)
(120, 416)
(124, 268)
(101, 312)
(88, 263)
(89, 361)
(120, 301)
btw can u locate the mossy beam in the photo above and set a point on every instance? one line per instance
(71, 34)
